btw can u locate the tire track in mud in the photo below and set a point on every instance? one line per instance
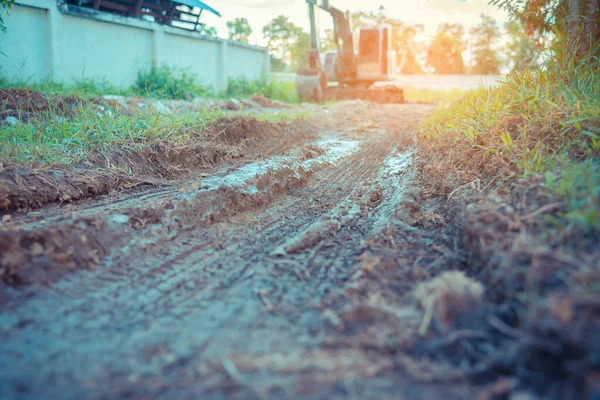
(209, 303)
(102, 302)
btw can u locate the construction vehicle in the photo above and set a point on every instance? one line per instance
(342, 74)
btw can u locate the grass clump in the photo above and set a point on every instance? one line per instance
(542, 127)
(84, 87)
(433, 96)
(53, 140)
(166, 83)
(271, 89)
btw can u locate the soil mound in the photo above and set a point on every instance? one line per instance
(25, 104)
(155, 164)
(243, 130)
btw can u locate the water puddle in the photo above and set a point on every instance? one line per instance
(334, 150)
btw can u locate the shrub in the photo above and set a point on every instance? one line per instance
(541, 126)
(272, 89)
(166, 83)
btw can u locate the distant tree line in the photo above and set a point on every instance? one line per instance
(443, 53)
(555, 28)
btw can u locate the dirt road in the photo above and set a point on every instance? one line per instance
(284, 276)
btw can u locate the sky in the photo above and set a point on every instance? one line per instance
(430, 13)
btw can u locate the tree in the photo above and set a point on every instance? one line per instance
(484, 36)
(6, 5)
(520, 50)
(576, 21)
(281, 34)
(410, 65)
(328, 41)
(445, 51)
(407, 48)
(207, 30)
(299, 51)
(277, 65)
(239, 30)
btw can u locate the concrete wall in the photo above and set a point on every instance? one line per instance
(49, 41)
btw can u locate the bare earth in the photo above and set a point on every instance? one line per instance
(287, 273)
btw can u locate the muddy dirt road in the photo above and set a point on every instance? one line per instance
(284, 276)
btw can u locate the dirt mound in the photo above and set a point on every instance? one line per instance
(264, 102)
(155, 164)
(25, 104)
(242, 130)
(534, 330)
(40, 256)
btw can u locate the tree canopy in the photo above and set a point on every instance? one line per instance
(446, 48)
(486, 58)
(281, 34)
(576, 23)
(239, 30)
(207, 30)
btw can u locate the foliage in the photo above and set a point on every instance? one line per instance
(239, 30)
(445, 51)
(575, 23)
(433, 96)
(50, 140)
(272, 89)
(486, 60)
(533, 126)
(281, 34)
(167, 83)
(6, 5)
(519, 49)
(83, 87)
(328, 41)
(410, 65)
(299, 51)
(277, 65)
(206, 30)
(407, 48)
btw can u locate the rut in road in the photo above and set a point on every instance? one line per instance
(241, 308)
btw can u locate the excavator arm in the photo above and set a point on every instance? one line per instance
(311, 82)
(346, 68)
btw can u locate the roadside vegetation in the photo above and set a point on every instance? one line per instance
(52, 140)
(163, 83)
(433, 96)
(517, 167)
(542, 126)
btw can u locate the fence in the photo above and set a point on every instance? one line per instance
(46, 40)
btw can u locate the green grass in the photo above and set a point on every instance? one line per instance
(164, 83)
(49, 141)
(272, 89)
(168, 83)
(434, 96)
(84, 88)
(536, 126)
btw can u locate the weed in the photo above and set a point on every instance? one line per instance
(167, 83)
(433, 96)
(272, 89)
(55, 140)
(542, 125)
